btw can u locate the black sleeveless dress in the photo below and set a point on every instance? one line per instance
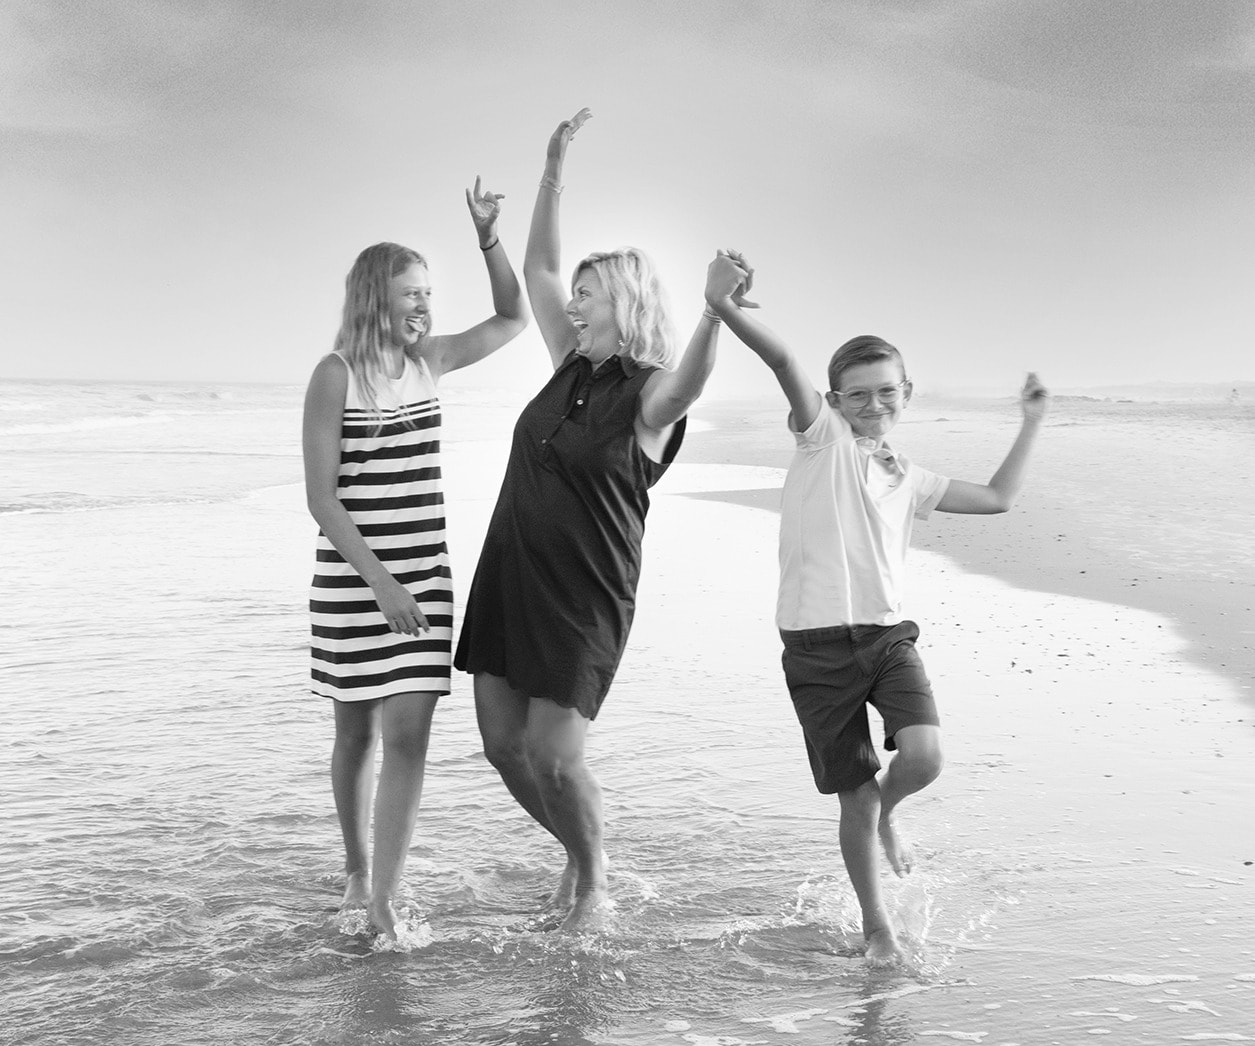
(551, 603)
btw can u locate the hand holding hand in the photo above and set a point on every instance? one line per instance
(399, 609)
(561, 138)
(730, 276)
(485, 207)
(1034, 398)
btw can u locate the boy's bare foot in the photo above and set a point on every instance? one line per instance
(882, 947)
(383, 917)
(593, 912)
(897, 851)
(356, 891)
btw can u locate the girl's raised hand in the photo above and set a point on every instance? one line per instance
(485, 207)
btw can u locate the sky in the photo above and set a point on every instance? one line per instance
(995, 186)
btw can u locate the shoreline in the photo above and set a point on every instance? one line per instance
(1057, 524)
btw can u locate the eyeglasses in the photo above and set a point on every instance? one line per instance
(885, 394)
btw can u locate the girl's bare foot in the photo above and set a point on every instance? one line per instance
(356, 891)
(383, 917)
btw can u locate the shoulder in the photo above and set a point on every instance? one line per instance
(332, 371)
(825, 430)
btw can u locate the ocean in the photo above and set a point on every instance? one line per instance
(171, 860)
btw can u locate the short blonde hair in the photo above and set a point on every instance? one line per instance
(641, 311)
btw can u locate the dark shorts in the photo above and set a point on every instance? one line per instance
(834, 674)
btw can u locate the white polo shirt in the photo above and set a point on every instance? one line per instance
(845, 525)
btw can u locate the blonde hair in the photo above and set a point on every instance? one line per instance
(641, 311)
(365, 328)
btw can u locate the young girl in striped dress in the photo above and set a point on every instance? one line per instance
(381, 605)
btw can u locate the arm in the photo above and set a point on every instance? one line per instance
(445, 353)
(998, 495)
(804, 400)
(542, 261)
(667, 395)
(324, 416)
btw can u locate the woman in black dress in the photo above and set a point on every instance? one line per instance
(552, 600)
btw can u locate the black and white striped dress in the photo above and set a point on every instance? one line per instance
(390, 485)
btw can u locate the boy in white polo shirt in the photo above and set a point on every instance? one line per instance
(846, 514)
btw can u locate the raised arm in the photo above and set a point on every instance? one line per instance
(449, 352)
(805, 401)
(324, 417)
(667, 395)
(998, 495)
(542, 262)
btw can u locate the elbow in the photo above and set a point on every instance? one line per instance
(1001, 503)
(317, 503)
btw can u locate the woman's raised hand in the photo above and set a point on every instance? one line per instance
(561, 138)
(485, 207)
(730, 276)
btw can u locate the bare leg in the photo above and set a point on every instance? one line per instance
(572, 801)
(860, 811)
(502, 714)
(916, 765)
(352, 778)
(406, 729)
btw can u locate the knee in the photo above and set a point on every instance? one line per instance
(922, 766)
(407, 744)
(554, 770)
(861, 805)
(504, 753)
(358, 738)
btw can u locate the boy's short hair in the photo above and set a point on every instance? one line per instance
(865, 348)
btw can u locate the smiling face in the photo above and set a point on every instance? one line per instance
(409, 305)
(878, 383)
(591, 311)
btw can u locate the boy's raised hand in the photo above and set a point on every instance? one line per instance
(1034, 398)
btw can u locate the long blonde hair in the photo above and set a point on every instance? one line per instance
(641, 311)
(365, 328)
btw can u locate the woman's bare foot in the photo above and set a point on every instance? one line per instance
(882, 946)
(356, 891)
(897, 851)
(593, 912)
(564, 896)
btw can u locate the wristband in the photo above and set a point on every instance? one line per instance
(551, 183)
(495, 240)
(711, 315)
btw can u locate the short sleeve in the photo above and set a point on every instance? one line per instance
(929, 489)
(823, 431)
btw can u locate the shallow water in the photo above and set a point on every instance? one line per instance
(171, 865)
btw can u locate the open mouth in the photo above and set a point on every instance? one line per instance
(417, 324)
